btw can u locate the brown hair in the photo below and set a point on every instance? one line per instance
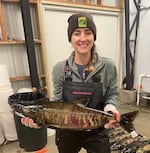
(90, 67)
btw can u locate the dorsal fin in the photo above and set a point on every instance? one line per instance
(83, 102)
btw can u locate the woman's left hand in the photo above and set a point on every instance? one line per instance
(114, 122)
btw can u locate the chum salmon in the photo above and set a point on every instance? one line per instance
(70, 115)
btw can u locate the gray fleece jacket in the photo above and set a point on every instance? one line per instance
(103, 68)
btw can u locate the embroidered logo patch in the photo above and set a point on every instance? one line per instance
(82, 22)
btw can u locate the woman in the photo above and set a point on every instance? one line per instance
(84, 75)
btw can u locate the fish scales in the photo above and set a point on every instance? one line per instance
(71, 115)
(73, 120)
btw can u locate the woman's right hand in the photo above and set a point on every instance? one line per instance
(28, 122)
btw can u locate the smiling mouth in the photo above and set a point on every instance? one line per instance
(83, 45)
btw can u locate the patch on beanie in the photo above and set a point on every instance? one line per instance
(82, 22)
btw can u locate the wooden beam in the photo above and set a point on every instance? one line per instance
(2, 24)
(43, 45)
(99, 2)
(16, 1)
(86, 1)
(121, 4)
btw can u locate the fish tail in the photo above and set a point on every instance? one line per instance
(127, 120)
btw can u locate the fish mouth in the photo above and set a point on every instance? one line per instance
(20, 109)
(19, 114)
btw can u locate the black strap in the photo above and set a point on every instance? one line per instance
(68, 72)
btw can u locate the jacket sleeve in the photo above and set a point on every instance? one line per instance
(110, 84)
(57, 79)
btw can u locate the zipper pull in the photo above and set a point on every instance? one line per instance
(83, 76)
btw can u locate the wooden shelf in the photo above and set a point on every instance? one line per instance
(22, 78)
(15, 42)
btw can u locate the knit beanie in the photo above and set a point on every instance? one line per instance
(81, 20)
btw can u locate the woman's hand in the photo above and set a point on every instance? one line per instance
(115, 122)
(28, 122)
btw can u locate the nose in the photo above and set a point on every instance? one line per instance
(82, 36)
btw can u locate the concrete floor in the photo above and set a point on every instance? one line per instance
(142, 125)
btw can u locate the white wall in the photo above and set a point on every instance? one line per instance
(143, 45)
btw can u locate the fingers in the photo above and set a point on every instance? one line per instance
(114, 122)
(111, 123)
(107, 126)
(28, 122)
(118, 116)
(112, 109)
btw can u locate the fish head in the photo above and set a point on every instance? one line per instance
(32, 111)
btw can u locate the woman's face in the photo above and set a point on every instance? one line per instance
(82, 40)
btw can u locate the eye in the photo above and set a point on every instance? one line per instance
(88, 32)
(76, 33)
